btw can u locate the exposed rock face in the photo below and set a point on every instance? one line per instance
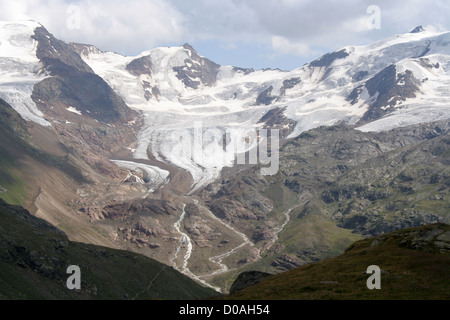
(373, 225)
(74, 82)
(276, 119)
(50, 49)
(430, 238)
(428, 64)
(143, 67)
(340, 150)
(150, 207)
(87, 115)
(327, 59)
(265, 97)
(358, 76)
(140, 66)
(418, 29)
(386, 90)
(197, 70)
(82, 90)
(291, 83)
(287, 262)
(243, 70)
(379, 199)
(156, 231)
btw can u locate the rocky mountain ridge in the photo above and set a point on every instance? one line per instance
(92, 140)
(412, 266)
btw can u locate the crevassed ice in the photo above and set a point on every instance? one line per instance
(19, 68)
(320, 99)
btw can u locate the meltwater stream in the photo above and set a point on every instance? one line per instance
(185, 242)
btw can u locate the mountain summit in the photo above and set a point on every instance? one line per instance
(141, 152)
(418, 29)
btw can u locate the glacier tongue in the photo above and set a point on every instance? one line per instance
(19, 97)
(170, 120)
(201, 145)
(319, 93)
(157, 177)
(196, 112)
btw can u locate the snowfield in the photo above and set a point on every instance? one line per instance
(229, 105)
(199, 116)
(19, 69)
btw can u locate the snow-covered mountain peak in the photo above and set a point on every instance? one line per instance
(16, 40)
(393, 82)
(20, 26)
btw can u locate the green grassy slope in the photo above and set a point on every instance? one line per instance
(414, 265)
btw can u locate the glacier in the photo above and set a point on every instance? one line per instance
(321, 98)
(174, 88)
(20, 69)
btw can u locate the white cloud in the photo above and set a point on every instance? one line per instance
(435, 28)
(14, 10)
(291, 27)
(123, 26)
(283, 45)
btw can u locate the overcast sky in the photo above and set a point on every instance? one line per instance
(255, 34)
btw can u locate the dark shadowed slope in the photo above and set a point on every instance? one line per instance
(34, 257)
